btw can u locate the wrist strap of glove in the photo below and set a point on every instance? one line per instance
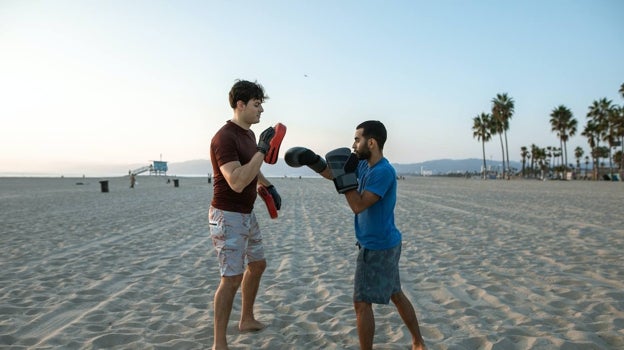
(346, 182)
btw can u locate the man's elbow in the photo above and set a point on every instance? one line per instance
(237, 189)
(357, 210)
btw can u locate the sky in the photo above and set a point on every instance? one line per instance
(87, 83)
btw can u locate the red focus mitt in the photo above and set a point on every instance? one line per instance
(268, 200)
(275, 143)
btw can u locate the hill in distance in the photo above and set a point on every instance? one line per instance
(203, 167)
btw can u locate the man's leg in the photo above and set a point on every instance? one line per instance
(251, 283)
(406, 310)
(365, 324)
(223, 300)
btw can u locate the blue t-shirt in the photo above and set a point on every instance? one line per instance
(374, 227)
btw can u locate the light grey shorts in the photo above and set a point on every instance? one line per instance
(236, 238)
(377, 275)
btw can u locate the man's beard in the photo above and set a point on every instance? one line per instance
(364, 154)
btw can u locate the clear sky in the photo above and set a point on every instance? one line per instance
(125, 82)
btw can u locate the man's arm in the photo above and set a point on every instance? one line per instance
(360, 202)
(263, 180)
(239, 176)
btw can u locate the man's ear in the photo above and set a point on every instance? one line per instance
(240, 104)
(372, 142)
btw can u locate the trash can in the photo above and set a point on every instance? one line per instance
(104, 186)
(176, 183)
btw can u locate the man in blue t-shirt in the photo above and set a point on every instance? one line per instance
(377, 269)
(370, 186)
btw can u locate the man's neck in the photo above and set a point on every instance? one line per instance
(236, 120)
(374, 159)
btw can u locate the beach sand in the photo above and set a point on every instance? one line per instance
(517, 264)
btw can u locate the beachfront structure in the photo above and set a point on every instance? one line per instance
(158, 167)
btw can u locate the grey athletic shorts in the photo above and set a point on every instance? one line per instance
(377, 275)
(236, 237)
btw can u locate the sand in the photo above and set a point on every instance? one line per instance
(487, 264)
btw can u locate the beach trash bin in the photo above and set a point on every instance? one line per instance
(176, 183)
(104, 186)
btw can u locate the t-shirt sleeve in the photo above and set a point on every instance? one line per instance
(224, 149)
(379, 181)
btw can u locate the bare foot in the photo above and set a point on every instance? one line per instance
(250, 326)
(214, 347)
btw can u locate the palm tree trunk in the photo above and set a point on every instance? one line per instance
(565, 152)
(503, 150)
(562, 160)
(484, 165)
(610, 163)
(596, 165)
(507, 150)
(622, 156)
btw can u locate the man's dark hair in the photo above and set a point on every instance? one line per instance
(245, 91)
(374, 129)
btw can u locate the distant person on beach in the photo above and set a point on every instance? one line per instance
(236, 161)
(132, 180)
(369, 184)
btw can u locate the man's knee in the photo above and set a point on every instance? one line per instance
(257, 267)
(231, 283)
(361, 306)
(397, 297)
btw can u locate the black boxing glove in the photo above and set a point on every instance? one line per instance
(343, 164)
(264, 142)
(276, 197)
(300, 156)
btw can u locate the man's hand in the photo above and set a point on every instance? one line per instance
(264, 142)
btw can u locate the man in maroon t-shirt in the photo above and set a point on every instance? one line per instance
(236, 161)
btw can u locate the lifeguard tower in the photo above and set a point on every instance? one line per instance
(158, 167)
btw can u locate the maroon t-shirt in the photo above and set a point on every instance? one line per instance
(232, 143)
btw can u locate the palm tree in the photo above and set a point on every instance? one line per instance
(592, 140)
(556, 154)
(562, 122)
(578, 154)
(616, 122)
(609, 121)
(524, 153)
(534, 157)
(615, 131)
(550, 151)
(502, 110)
(622, 132)
(481, 131)
(496, 128)
(598, 115)
(541, 159)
